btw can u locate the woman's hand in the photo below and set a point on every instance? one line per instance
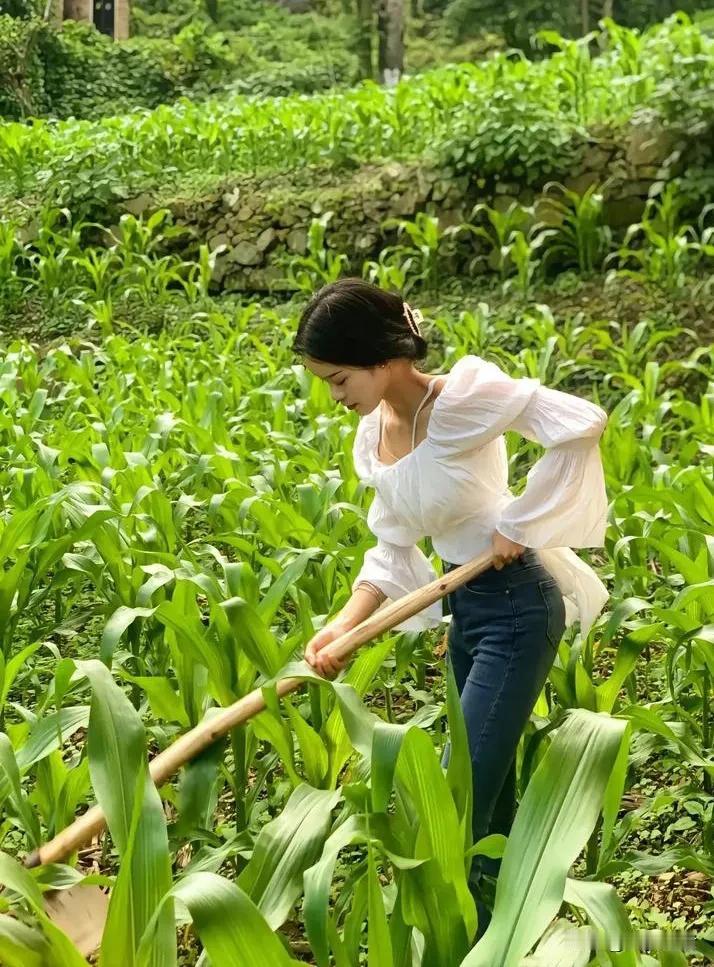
(316, 654)
(504, 550)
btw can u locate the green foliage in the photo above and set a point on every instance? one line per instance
(22, 88)
(511, 132)
(520, 22)
(23, 9)
(506, 119)
(180, 513)
(183, 505)
(88, 75)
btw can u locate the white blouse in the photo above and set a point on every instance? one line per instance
(453, 487)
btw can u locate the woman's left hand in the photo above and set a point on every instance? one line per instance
(504, 551)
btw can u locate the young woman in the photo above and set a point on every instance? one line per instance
(432, 448)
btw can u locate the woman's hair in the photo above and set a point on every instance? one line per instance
(354, 323)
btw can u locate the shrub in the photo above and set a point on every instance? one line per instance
(88, 75)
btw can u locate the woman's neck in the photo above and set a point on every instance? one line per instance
(405, 393)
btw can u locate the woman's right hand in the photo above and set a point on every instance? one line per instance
(316, 654)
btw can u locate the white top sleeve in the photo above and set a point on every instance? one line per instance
(396, 571)
(564, 503)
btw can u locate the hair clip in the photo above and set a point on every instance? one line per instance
(413, 317)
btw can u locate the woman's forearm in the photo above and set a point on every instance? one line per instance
(362, 603)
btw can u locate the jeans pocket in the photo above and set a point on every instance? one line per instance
(473, 587)
(555, 610)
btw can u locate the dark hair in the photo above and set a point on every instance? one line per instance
(354, 323)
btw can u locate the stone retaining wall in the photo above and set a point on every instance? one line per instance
(260, 223)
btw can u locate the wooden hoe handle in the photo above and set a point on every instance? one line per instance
(168, 762)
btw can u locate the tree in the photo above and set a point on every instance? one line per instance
(363, 44)
(390, 28)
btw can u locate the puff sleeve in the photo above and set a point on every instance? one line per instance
(397, 566)
(564, 503)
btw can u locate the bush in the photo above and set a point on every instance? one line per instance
(88, 75)
(22, 90)
(79, 72)
(519, 22)
(512, 133)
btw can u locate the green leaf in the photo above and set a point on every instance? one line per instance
(317, 883)
(230, 926)
(50, 733)
(20, 945)
(164, 701)
(116, 626)
(285, 848)
(556, 816)
(458, 770)
(120, 776)
(252, 636)
(314, 753)
(10, 775)
(379, 942)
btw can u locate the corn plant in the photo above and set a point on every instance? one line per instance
(580, 238)
(321, 265)
(669, 250)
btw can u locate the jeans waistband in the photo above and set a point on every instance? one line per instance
(523, 570)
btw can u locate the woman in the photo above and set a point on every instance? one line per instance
(432, 448)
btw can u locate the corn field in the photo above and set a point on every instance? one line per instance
(180, 514)
(171, 539)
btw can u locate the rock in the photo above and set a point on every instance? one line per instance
(580, 183)
(244, 213)
(649, 144)
(365, 242)
(140, 204)
(297, 241)
(637, 188)
(266, 240)
(621, 212)
(220, 267)
(450, 217)
(405, 204)
(595, 158)
(214, 241)
(245, 253)
(231, 198)
(440, 190)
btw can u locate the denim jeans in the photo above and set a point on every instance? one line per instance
(502, 640)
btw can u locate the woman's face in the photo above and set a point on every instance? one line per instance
(359, 388)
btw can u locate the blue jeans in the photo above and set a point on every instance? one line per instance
(502, 640)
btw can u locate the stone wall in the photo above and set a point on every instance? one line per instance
(261, 223)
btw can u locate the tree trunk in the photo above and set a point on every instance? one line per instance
(416, 8)
(365, 30)
(585, 16)
(390, 26)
